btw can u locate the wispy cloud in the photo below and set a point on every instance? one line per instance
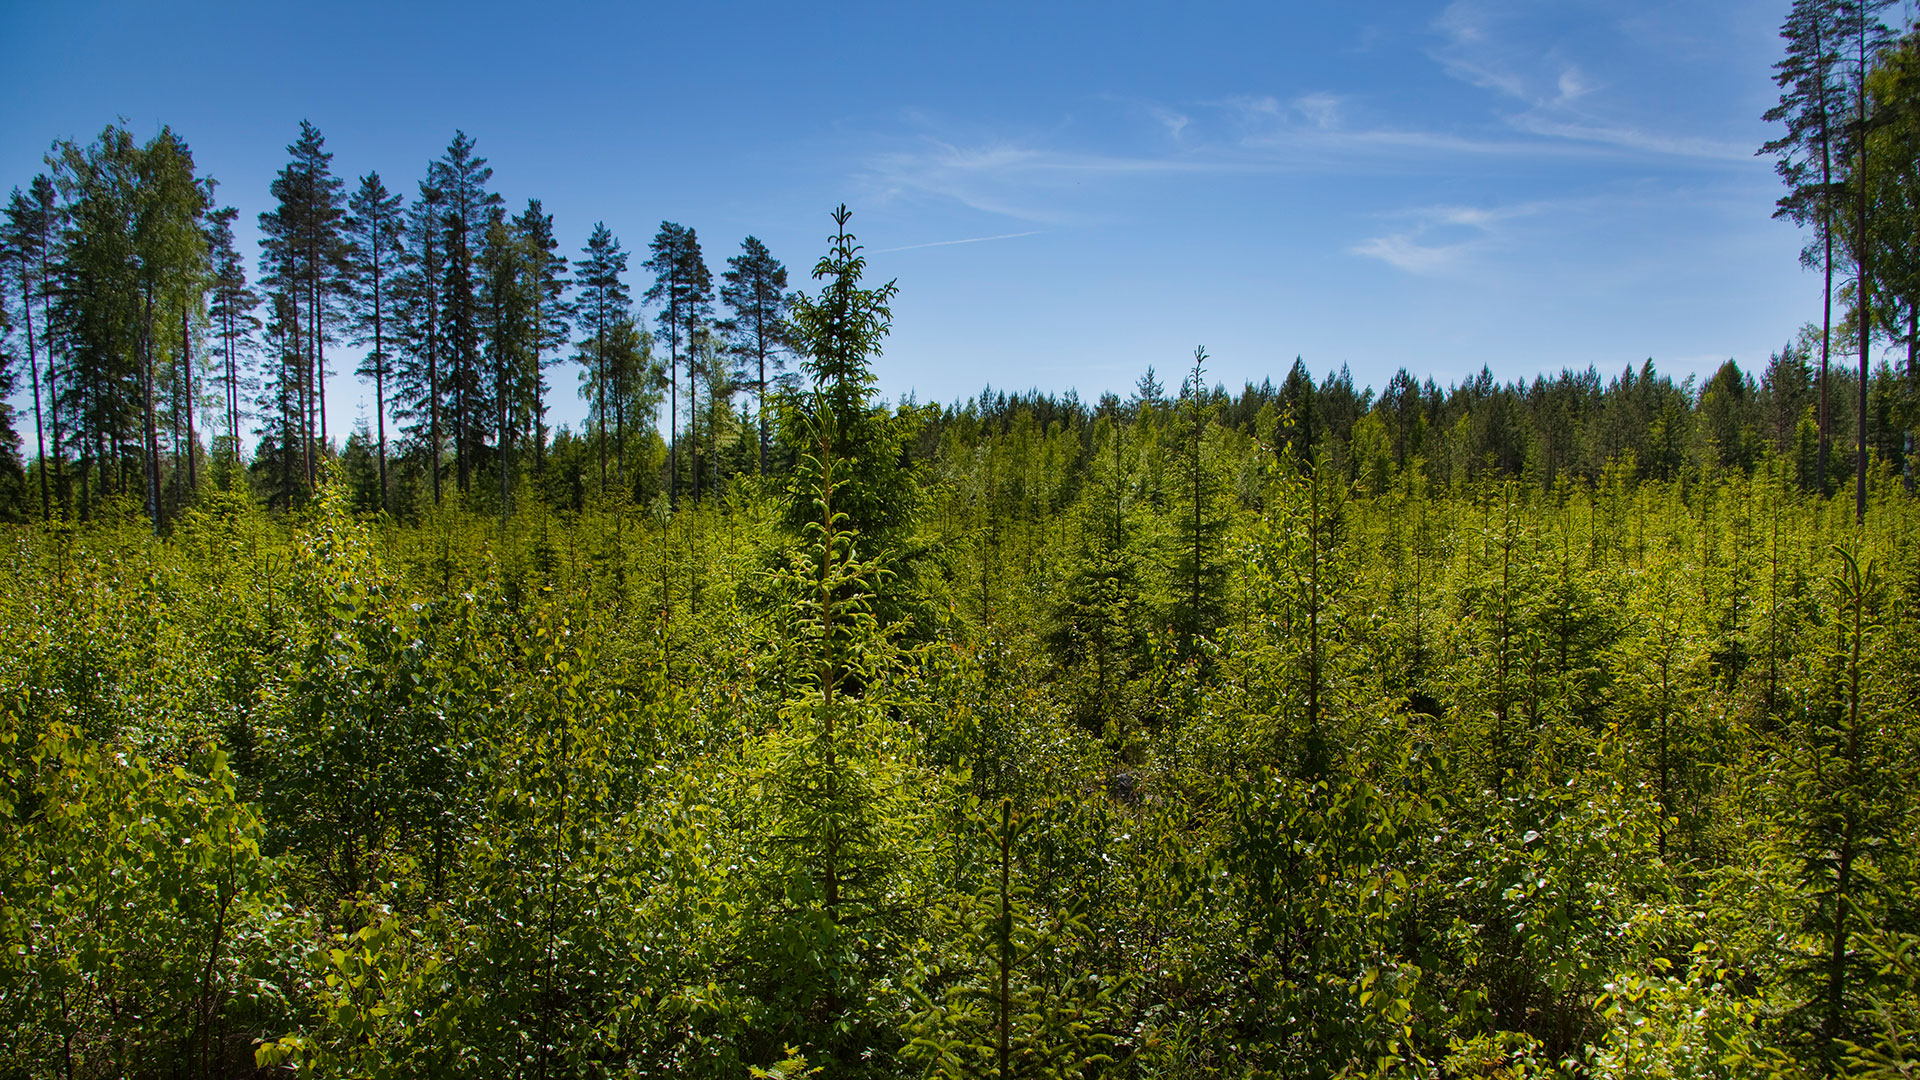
(1442, 238)
(1034, 183)
(1034, 179)
(1632, 138)
(1544, 105)
(968, 240)
(1573, 85)
(1480, 43)
(1405, 251)
(1174, 122)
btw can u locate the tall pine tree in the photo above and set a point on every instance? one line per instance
(462, 179)
(1864, 37)
(603, 308)
(507, 310)
(376, 231)
(683, 289)
(755, 289)
(420, 375)
(1810, 106)
(24, 251)
(230, 308)
(302, 252)
(552, 315)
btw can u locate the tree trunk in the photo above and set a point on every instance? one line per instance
(33, 366)
(433, 398)
(600, 393)
(500, 395)
(1826, 230)
(186, 375)
(150, 433)
(1863, 256)
(760, 335)
(673, 414)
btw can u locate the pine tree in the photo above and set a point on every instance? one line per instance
(169, 253)
(421, 374)
(1864, 38)
(376, 230)
(462, 179)
(230, 308)
(27, 236)
(716, 420)
(98, 305)
(603, 309)
(12, 476)
(683, 289)
(1011, 1000)
(135, 261)
(302, 252)
(1810, 104)
(1895, 196)
(552, 315)
(1198, 572)
(185, 385)
(507, 286)
(281, 413)
(755, 290)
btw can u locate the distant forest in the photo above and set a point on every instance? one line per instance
(1560, 729)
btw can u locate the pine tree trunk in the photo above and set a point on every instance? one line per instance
(500, 395)
(380, 372)
(600, 394)
(673, 415)
(150, 434)
(319, 343)
(433, 400)
(1826, 230)
(761, 347)
(186, 366)
(1863, 256)
(33, 366)
(693, 419)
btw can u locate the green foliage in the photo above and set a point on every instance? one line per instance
(141, 921)
(1009, 989)
(914, 753)
(1560, 728)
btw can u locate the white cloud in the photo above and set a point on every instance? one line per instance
(1573, 85)
(1541, 122)
(1322, 110)
(1405, 251)
(1434, 242)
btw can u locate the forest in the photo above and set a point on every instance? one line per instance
(1561, 727)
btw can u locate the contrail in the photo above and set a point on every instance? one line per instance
(968, 240)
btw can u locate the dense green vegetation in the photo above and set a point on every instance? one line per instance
(1552, 728)
(1170, 737)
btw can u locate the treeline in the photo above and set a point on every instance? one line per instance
(1573, 426)
(149, 353)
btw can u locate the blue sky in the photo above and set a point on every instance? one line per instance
(1065, 195)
